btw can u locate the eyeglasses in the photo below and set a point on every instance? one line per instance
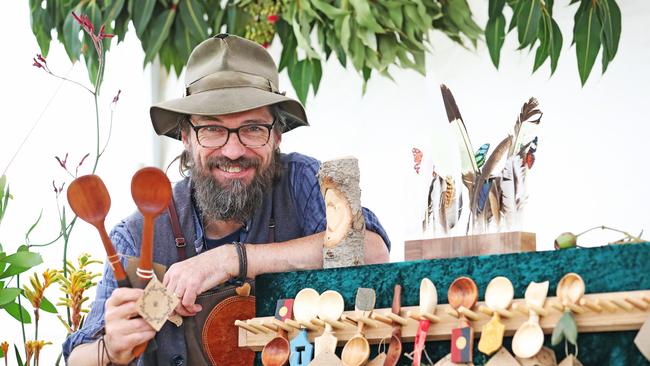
(250, 135)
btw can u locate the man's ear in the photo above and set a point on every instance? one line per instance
(185, 139)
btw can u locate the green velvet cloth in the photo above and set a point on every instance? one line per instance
(604, 269)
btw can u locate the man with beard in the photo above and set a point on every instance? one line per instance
(245, 209)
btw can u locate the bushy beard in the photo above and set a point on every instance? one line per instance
(232, 200)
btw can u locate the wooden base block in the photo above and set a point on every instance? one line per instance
(471, 245)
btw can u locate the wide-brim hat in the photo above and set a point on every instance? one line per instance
(227, 74)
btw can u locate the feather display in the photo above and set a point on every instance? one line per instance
(433, 201)
(507, 188)
(467, 158)
(495, 200)
(527, 153)
(448, 204)
(483, 195)
(519, 174)
(481, 154)
(499, 152)
(529, 115)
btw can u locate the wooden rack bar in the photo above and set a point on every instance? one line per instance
(624, 311)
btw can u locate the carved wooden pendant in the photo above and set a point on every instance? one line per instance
(545, 357)
(462, 342)
(642, 340)
(502, 358)
(570, 360)
(491, 336)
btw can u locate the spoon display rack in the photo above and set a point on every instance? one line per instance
(597, 312)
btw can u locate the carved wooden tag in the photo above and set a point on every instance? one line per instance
(156, 304)
(642, 340)
(446, 361)
(491, 336)
(502, 358)
(570, 360)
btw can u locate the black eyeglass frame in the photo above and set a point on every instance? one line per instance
(268, 127)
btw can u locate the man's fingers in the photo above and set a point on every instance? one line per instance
(122, 295)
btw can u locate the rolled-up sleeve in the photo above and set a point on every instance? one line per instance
(309, 201)
(94, 322)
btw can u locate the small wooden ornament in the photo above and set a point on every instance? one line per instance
(326, 359)
(156, 304)
(176, 319)
(325, 343)
(642, 340)
(502, 358)
(545, 357)
(570, 360)
(301, 350)
(491, 336)
(446, 361)
(462, 344)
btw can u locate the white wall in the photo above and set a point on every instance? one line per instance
(591, 164)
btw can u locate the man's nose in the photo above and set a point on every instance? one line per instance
(233, 149)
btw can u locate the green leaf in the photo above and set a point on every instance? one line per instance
(495, 33)
(357, 53)
(587, 39)
(495, 8)
(289, 45)
(112, 11)
(303, 41)
(345, 34)
(387, 48)
(396, 16)
(16, 311)
(515, 15)
(23, 259)
(610, 18)
(329, 10)
(317, 75)
(527, 22)
(567, 328)
(141, 16)
(364, 16)
(544, 35)
(158, 33)
(191, 14)
(46, 305)
(121, 25)
(368, 38)
(72, 43)
(183, 41)
(555, 46)
(8, 295)
(18, 358)
(300, 77)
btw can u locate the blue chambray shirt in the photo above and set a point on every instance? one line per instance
(310, 206)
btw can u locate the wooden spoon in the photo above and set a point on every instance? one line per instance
(151, 192)
(462, 292)
(330, 308)
(570, 289)
(357, 350)
(498, 296)
(277, 351)
(89, 199)
(428, 302)
(395, 345)
(529, 338)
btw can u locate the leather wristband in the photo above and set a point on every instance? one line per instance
(243, 262)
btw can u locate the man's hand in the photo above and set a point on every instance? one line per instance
(125, 330)
(193, 276)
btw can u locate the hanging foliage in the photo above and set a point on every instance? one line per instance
(369, 35)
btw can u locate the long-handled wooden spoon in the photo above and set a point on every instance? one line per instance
(151, 192)
(462, 293)
(89, 199)
(428, 302)
(278, 350)
(498, 296)
(395, 345)
(357, 350)
(529, 338)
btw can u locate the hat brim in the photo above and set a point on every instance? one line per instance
(165, 115)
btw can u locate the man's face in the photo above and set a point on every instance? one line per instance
(230, 180)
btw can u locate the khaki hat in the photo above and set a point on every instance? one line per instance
(227, 74)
